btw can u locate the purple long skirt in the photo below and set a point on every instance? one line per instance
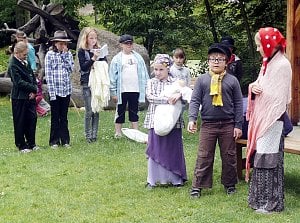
(166, 162)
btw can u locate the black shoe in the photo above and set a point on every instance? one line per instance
(195, 193)
(230, 190)
(177, 185)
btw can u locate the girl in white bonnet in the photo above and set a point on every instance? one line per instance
(166, 162)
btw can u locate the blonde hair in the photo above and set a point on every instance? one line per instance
(20, 47)
(84, 39)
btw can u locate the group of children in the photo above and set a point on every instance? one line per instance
(216, 95)
(130, 85)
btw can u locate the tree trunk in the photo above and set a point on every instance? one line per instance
(250, 38)
(211, 21)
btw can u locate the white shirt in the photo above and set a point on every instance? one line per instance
(129, 75)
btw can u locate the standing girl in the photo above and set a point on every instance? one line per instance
(178, 69)
(59, 65)
(268, 98)
(87, 55)
(166, 162)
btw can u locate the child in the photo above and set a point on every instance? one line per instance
(178, 69)
(222, 117)
(23, 99)
(234, 65)
(166, 162)
(59, 65)
(128, 77)
(42, 107)
(87, 55)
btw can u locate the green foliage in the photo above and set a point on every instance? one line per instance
(7, 15)
(151, 20)
(3, 60)
(104, 182)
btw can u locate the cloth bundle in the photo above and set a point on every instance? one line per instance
(166, 115)
(99, 84)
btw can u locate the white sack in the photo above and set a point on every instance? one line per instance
(165, 117)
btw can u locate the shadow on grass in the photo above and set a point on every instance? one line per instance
(292, 183)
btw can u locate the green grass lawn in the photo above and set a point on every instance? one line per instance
(104, 182)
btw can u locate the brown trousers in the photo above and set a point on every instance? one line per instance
(210, 133)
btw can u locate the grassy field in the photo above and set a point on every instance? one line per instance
(104, 182)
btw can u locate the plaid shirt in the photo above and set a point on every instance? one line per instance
(153, 90)
(58, 69)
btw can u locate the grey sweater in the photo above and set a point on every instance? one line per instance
(232, 101)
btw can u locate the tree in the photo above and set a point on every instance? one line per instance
(146, 19)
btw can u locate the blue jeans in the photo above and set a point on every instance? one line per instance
(91, 119)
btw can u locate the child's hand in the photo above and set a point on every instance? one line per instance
(32, 96)
(96, 55)
(65, 48)
(192, 127)
(256, 89)
(237, 133)
(174, 98)
(115, 99)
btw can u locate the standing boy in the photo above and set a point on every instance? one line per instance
(23, 99)
(220, 97)
(128, 79)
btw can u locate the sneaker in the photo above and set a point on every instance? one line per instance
(35, 148)
(195, 193)
(54, 146)
(25, 151)
(118, 135)
(67, 145)
(230, 190)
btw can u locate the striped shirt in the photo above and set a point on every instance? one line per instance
(153, 91)
(58, 69)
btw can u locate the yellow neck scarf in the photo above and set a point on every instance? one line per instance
(216, 88)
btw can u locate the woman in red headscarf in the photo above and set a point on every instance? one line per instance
(268, 98)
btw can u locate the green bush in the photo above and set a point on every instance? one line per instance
(3, 60)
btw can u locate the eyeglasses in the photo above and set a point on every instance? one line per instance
(216, 60)
(128, 43)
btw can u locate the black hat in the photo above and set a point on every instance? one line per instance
(220, 48)
(60, 36)
(126, 38)
(228, 41)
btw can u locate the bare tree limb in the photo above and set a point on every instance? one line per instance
(27, 5)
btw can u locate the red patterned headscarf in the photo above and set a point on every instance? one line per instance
(270, 38)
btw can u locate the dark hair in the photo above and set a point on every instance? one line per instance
(179, 52)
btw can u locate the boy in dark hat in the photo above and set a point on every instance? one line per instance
(234, 66)
(128, 79)
(220, 98)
